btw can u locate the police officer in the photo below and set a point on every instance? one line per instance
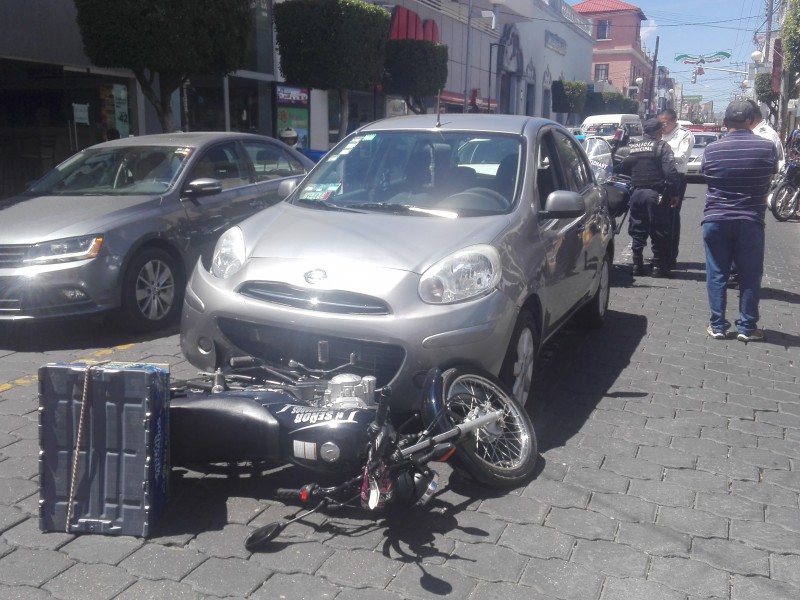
(656, 189)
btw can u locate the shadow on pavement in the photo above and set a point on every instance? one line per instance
(577, 369)
(72, 334)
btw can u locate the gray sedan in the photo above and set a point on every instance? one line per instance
(119, 225)
(417, 242)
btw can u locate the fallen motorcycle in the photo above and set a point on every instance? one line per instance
(337, 423)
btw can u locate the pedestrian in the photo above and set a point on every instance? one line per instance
(112, 134)
(651, 166)
(793, 143)
(763, 129)
(737, 169)
(289, 137)
(681, 141)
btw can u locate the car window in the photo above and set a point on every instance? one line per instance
(224, 163)
(271, 161)
(548, 175)
(457, 172)
(115, 171)
(576, 170)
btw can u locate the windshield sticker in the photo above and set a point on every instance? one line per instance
(352, 144)
(320, 191)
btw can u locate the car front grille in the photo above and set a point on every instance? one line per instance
(330, 301)
(278, 345)
(11, 256)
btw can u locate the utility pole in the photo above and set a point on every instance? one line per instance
(653, 76)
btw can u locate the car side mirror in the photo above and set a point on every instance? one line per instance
(286, 187)
(205, 186)
(563, 204)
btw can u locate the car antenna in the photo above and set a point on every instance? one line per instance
(439, 109)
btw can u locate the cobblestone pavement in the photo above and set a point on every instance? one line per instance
(669, 470)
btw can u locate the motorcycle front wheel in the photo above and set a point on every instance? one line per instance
(502, 454)
(784, 201)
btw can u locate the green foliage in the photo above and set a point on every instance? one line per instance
(331, 44)
(165, 40)
(790, 34)
(568, 96)
(602, 103)
(413, 69)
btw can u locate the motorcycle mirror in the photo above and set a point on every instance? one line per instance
(259, 540)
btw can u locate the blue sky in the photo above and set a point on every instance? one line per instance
(704, 27)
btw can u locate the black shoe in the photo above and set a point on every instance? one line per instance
(638, 266)
(661, 272)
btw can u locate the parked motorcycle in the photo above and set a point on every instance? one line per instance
(337, 423)
(783, 197)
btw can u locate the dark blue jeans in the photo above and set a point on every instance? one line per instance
(740, 241)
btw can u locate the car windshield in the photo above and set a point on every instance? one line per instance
(115, 171)
(701, 141)
(602, 129)
(429, 173)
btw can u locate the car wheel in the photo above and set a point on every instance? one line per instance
(519, 364)
(593, 313)
(152, 291)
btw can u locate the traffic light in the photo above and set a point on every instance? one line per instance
(694, 75)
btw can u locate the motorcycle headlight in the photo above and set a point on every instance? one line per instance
(464, 275)
(229, 254)
(66, 250)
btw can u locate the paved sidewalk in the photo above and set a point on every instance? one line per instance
(669, 470)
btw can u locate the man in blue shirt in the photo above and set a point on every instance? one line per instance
(737, 169)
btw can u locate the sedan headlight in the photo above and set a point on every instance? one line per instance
(66, 250)
(228, 254)
(467, 274)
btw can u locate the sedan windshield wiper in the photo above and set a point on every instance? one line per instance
(404, 209)
(321, 204)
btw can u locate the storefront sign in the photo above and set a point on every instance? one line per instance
(555, 42)
(80, 113)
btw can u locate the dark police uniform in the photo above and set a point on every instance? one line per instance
(651, 165)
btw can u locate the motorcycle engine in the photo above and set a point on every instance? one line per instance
(347, 390)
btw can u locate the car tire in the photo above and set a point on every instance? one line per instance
(519, 364)
(152, 291)
(593, 314)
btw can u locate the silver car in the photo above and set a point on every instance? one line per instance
(701, 140)
(120, 225)
(418, 241)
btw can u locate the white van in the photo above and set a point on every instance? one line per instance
(605, 126)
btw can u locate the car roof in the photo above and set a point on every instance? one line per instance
(191, 139)
(489, 123)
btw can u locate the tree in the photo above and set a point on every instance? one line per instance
(790, 42)
(165, 41)
(414, 69)
(568, 97)
(764, 93)
(332, 45)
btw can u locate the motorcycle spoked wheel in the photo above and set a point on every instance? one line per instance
(499, 455)
(784, 201)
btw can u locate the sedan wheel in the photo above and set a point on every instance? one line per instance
(593, 314)
(520, 361)
(152, 292)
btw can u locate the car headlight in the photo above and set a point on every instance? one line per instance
(466, 274)
(228, 254)
(66, 250)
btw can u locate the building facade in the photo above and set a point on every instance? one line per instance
(619, 58)
(503, 56)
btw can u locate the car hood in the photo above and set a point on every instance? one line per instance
(408, 243)
(31, 219)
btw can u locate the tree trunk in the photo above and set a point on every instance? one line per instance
(344, 111)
